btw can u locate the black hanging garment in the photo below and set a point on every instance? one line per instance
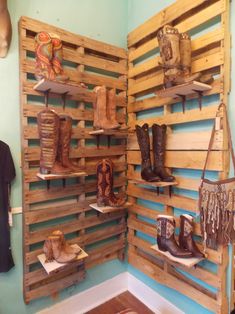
(7, 174)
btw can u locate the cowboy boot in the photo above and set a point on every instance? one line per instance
(48, 127)
(186, 61)
(159, 145)
(5, 29)
(166, 239)
(65, 133)
(54, 248)
(147, 173)
(66, 247)
(100, 110)
(43, 53)
(186, 240)
(169, 44)
(105, 195)
(58, 58)
(111, 108)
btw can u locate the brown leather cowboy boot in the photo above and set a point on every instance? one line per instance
(48, 127)
(58, 58)
(43, 54)
(65, 132)
(105, 195)
(67, 248)
(166, 239)
(111, 108)
(169, 44)
(54, 250)
(159, 146)
(100, 110)
(147, 173)
(186, 240)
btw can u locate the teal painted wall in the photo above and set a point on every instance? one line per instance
(138, 12)
(92, 18)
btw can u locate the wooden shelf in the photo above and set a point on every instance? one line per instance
(108, 132)
(109, 209)
(187, 262)
(54, 267)
(58, 87)
(61, 176)
(184, 89)
(160, 184)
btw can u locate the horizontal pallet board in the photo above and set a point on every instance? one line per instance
(108, 209)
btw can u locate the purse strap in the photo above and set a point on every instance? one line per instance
(230, 144)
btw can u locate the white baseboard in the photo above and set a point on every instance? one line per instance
(97, 295)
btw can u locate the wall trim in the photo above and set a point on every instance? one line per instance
(97, 295)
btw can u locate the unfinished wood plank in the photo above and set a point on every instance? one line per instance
(184, 159)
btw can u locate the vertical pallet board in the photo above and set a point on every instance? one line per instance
(185, 150)
(67, 208)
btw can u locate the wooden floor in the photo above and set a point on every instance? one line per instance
(120, 303)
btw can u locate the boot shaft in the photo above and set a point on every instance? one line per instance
(48, 127)
(165, 226)
(104, 173)
(144, 144)
(186, 225)
(65, 132)
(159, 144)
(185, 53)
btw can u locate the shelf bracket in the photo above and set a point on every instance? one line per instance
(200, 94)
(183, 98)
(63, 96)
(46, 94)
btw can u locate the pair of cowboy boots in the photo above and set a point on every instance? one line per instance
(105, 109)
(158, 172)
(175, 51)
(105, 194)
(56, 248)
(166, 237)
(49, 57)
(55, 136)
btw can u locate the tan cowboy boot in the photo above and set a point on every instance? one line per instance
(67, 248)
(5, 29)
(111, 108)
(100, 110)
(105, 195)
(48, 127)
(57, 58)
(54, 250)
(65, 132)
(43, 54)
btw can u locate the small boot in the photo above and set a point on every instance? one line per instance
(147, 173)
(171, 54)
(186, 240)
(166, 239)
(65, 132)
(111, 108)
(105, 195)
(58, 58)
(100, 110)
(159, 146)
(54, 250)
(44, 55)
(67, 248)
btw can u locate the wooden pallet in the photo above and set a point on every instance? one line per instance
(67, 206)
(185, 150)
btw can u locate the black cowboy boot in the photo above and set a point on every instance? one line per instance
(159, 144)
(186, 240)
(166, 239)
(143, 140)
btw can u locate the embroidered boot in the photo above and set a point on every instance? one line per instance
(111, 108)
(100, 110)
(159, 146)
(105, 195)
(67, 248)
(44, 55)
(48, 127)
(54, 250)
(169, 44)
(166, 239)
(147, 173)
(65, 132)
(58, 58)
(186, 240)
